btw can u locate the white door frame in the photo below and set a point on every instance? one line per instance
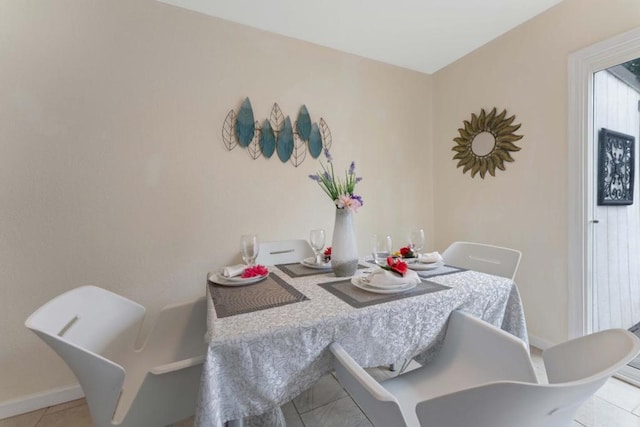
(582, 65)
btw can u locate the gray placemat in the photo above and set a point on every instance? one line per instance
(296, 269)
(359, 298)
(440, 271)
(269, 293)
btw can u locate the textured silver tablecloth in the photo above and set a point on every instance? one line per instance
(261, 360)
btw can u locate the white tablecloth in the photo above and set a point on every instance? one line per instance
(261, 360)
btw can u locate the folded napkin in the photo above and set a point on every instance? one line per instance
(381, 278)
(233, 270)
(430, 258)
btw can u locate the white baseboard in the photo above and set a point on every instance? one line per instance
(22, 405)
(540, 343)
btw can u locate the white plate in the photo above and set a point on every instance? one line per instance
(420, 266)
(357, 282)
(311, 263)
(364, 281)
(234, 281)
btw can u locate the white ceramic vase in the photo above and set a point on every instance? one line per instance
(344, 249)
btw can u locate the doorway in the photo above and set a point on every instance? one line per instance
(591, 251)
(616, 230)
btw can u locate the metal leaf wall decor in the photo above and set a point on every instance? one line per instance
(299, 151)
(499, 137)
(276, 118)
(254, 146)
(276, 134)
(229, 131)
(327, 139)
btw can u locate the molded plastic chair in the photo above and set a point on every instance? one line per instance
(485, 258)
(483, 377)
(283, 252)
(94, 331)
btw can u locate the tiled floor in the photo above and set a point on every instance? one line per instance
(616, 404)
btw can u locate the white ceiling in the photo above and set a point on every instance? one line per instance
(421, 35)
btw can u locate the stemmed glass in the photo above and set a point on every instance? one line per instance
(250, 248)
(416, 241)
(317, 241)
(381, 248)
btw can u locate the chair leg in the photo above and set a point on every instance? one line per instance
(405, 365)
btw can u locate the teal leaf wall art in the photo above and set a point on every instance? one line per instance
(284, 143)
(245, 126)
(276, 134)
(303, 124)
(267, 139)
(315, 141)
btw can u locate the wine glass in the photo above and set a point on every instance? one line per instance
(381, 248)
(250, 248)
(317, 241)
(416, 241)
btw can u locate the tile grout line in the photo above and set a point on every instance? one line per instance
(331, 401)
(363, 413)
(617, 406)
(41, 416)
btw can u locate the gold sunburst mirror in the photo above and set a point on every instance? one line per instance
(485, 142)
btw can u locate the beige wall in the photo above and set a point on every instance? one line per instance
(524, 71)
(113, 172)
(112, 169)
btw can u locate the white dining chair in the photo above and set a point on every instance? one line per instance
(94, 331)
(485, 258)
(283, 252)
(483, 377)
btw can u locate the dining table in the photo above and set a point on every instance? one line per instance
(269, 341)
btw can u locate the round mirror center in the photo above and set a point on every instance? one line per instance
(483, 144)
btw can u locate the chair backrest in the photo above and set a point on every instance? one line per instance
(485, 258)
(163, 382)
(283, 252)
(381, 407)
(82, 326)
(599, 354)
(473, 341)
(513, 403)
